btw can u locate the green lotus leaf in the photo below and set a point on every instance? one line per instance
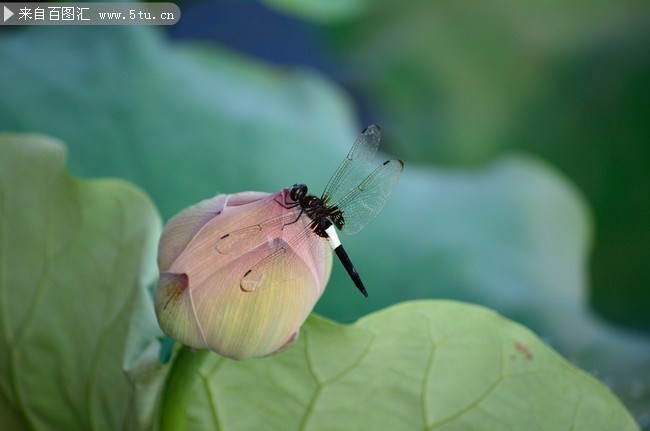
(76, 257)
(433, 365)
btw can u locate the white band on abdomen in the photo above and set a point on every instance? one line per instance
(334, 238)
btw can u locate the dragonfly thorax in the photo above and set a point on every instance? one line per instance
(322, 215)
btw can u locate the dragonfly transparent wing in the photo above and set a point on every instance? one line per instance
(259, 236)
(355, 167)
(291, 260)
(362, 204)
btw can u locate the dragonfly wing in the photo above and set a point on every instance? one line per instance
(293, 260)
(362, 204)
(355, 166)
(264, 235)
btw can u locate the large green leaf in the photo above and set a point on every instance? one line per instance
(420, 365)
(75, 260)
(511, 236)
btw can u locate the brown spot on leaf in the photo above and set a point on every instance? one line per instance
(524, 350)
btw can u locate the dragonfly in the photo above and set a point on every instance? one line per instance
(352, 198)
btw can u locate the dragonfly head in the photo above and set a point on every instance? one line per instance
(297, 192)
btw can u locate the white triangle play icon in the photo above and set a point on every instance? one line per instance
(8, 13)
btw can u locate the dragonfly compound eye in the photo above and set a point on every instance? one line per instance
(298, 191)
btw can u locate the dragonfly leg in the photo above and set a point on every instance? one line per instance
(296, 220)
(287, 205)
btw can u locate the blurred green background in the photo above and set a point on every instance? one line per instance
(457, 84)
(524, 128)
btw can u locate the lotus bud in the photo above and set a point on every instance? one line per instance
(199, 298)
